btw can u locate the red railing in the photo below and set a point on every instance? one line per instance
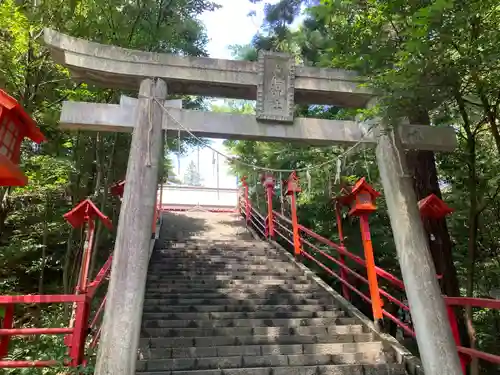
(86, 318)
(320, 250)
(81, 326)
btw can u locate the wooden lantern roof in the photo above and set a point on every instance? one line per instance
(29, 128)
(117, 188)
(346, 197)
(85, 211)
(434, 207)
(363, 185)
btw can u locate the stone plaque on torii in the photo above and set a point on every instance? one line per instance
(276, 83)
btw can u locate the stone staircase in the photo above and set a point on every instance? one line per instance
(219, 302)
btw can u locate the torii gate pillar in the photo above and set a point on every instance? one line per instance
(123, 315)
(435, 340)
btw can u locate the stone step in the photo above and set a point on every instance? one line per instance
(257, 350)
(223, 323)
(223, 246)
(284, 272)
(263, 293)
(209, 261)
(275, 300)
(235, 257)
(243, 315)
(239, 308)
(225, 274)
(208, 363)
(215, 284)
(176, 342)
(215, 255)
(215, 244)
(225, 269)
(285, 288)
(211, 283)
(217, 258)
(248, 331)
(380, 369)
(258, 279)
(207, 268)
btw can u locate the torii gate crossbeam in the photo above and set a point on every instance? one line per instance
(276, 83)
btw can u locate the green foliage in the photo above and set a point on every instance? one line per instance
(39, 252)
(434, 61)
(192, 176)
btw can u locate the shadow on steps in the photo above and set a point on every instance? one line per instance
(219, 302)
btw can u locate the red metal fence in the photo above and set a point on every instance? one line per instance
(332, 258)
(83, 329)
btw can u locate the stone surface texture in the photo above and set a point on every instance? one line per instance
(115, 117)
(219, 301)
(114, 67)
(276, 87)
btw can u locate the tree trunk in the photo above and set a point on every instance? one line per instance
(4, 208)
(44, 244)
(104, 199)
(425, 181)
(473, 224)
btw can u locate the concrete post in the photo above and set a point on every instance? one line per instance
(436, 345)
(122, 319)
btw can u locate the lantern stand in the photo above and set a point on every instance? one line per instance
(15, 125)
(244, 183)
(282, 203)
(291, 190)
(432, 207)
(6, 322)
(268, 181)
(117, 189)
(361, 199)
(84, 213)
(343, 273)
(238, 199)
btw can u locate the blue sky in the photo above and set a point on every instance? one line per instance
(226, 26)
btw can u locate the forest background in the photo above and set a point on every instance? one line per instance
(434, 61)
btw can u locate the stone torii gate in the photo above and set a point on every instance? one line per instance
(277, 84)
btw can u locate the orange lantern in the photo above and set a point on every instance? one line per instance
(293, 184)
(267, 180)
(15, 125)
(433, 207)
(361, 199)
(85, 211)
(117, 188)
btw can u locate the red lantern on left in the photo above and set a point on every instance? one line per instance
(15, 125)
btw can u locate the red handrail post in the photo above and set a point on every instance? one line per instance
(87, 255)
(361, 200)
(295, 224)
(370, 269)
(238, 201)
(268, 182)
(291, 190)
(80, 331)
(247, 201)
(155, 217)
(456, 335)
(8, 321)
(160, 203)
(343, 273)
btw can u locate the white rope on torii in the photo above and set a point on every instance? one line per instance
(338, 159)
